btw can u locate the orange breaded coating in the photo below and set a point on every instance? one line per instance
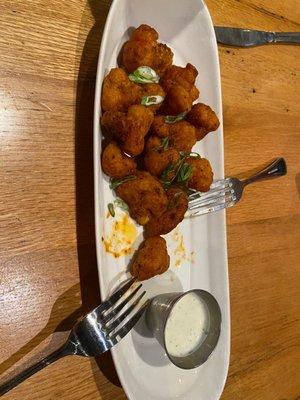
(182, 136)
(145, 33)
(153, 89)
(115, 163)
(144, 195)
(143, 50)
(118, 92)
(150, 259)
(182, 76)
(202, 175)
(168, 220)
(177, 101)
(179, 84)
(203, 118)
(157, 158)
(162, 59)
(128, 129)
(159, 127)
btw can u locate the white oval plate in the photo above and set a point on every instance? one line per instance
(143, 368)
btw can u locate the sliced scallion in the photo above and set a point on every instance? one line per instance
(121, 204)
(144, 74)
(171, 119)
(151, 100)
(114, 183)
(164, 144)
(191, 154)
(111, 209)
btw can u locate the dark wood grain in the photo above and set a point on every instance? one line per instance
(47, 250)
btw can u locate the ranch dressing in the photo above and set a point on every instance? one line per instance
(186, 326)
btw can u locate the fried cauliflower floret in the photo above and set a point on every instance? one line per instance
(143, 115)
(145, 33)
(118, 92)
(202, 175)
(153, 89)
(142, 49)
(137, 53)
(168, 220)
(115, 163)
(128, 129)
(179, 84)
(182, 76)
(203, 118)
(157, 158)
(177, 101)
(159, 127)
(144, 195)
(163, 58)
(182, 136)
(150, 259)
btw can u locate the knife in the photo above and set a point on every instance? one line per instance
(248, 37)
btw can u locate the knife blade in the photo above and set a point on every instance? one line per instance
(249, 37)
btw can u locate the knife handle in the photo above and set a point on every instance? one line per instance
(286, 37)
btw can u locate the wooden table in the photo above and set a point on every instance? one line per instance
(47, 75)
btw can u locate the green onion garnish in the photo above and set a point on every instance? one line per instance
(121, 204)
(114, 183)
(151, 100)
(180, 172)
(185, 173)
(171, 119)
(111, 209)
(144, 74)
(164, 144)
(191, 154)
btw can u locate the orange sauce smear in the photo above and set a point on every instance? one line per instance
(121, 238)
(180, 250)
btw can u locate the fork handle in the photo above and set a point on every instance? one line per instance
(276, 168)
(21, 377)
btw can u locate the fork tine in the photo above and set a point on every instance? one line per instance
(207, 210)
(107, 304)
(118, 308)
(210, 199)
(225, 196)
(117, 336)
(215, 187)
(110, 328)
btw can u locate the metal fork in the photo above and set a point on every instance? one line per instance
(95, 333)
(227, 192)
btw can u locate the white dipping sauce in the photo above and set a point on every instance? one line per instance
(186, 326)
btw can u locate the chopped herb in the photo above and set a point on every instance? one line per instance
(185, 173)
(114, 183)
(121, 204)
(192, 154)
(144, 74)
(169, 174)
(111, 209)
(164, 144)
(151, 100)
(177, 173)
(171, 119)
(170, 169)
